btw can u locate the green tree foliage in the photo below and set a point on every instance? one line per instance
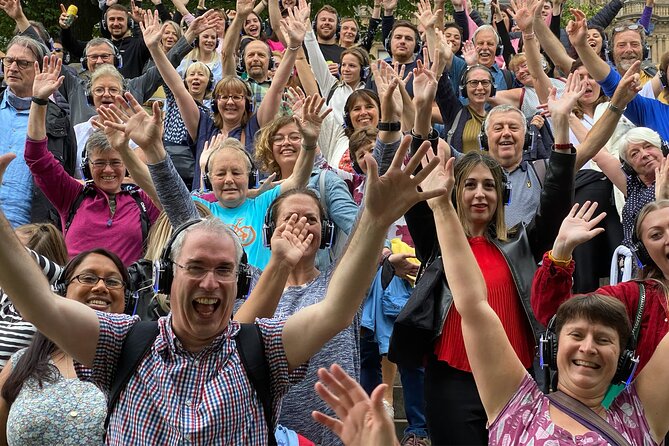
(588, 8)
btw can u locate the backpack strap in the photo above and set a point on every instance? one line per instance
(143, 213)
(321, 191)
(454, 127)
(251, 350)
(76, 203)
(137, 343)
(508, 78)
(539, 167)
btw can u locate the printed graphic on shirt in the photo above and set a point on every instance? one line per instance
(246, 234)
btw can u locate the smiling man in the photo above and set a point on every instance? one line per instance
(486, 41)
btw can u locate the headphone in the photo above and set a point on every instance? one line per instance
(463, 80)
(254, 174)
(362, 58)
(608, 50)
(499, 49)
(118, 58)
(348, 124)
(163, 268)
(241, 65)
(88, 92)
(629, 171)
(483, 137)
(247, 101)
(356, 39)
(418, 45)
(548, 346)
(131, 22)
(327, 229)
(210, 81)
(196, 42)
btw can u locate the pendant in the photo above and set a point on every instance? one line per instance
(73, 413)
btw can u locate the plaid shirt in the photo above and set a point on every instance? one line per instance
(179, 397)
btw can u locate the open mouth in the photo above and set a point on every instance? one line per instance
(206, 306)
(98, 303)
(587, 364)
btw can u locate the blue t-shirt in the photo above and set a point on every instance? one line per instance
(247, 221)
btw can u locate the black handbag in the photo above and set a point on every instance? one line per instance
(421, 320)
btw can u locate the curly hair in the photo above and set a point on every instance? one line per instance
(263, 151)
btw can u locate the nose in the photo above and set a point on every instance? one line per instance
(209, 282)
(100, 285)
(588, 345)
(478, 193)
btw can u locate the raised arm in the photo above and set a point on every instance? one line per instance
(552, 45)
(577, 30)
(233, 36)
(15, 12)
(655, 403)
(309, 329)
(485, 340)
(310, 126)
(72, 326)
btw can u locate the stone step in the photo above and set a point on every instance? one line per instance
(400, 425)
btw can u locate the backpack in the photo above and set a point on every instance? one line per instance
(251, 350)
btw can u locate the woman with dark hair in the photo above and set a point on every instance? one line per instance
(42, 401)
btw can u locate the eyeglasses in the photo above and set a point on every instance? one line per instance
(227, 97)
(88, 279)
(632, 27)
(485, 83)
(221, 273)
(22, 64)
(115, 164)
(105, 57)
(100, 91)
(291, 137)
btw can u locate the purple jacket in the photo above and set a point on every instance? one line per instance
(91, 226)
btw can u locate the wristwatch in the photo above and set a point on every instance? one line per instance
(389, 126)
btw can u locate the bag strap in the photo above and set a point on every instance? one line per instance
(137, 343)
(321, 192)
(75, 205)
(454, 127)
(639, 313)
(584, 415)
(251, 350)
(143, 213)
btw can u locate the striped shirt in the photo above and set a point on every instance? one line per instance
(15, 333)
(179, 397)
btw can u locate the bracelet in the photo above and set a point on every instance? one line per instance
(389, 126)
(309, 148)
(40, 101)
(567, 146)
(293, 48)
(616, 109)
(528, 36)
(559, 262)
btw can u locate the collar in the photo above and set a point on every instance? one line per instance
(494, 68)
(168, 344)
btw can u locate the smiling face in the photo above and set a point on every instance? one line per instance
(479, 86)
(522, 73)
(350, 69)
(252, 26)
(453, 38)
(170, 37)
(97, 55)
(506, 137)
(207, 41)
(364, 113)
(20, 80)
(231, 104)
(256, 60)
(108, 170)
(595, 40)
(229, 176)
(347, 33)
(104, 90)
(587, 356)
(304, 206)
(197, 79)
(201, 308)
(547, 9)
(627, 49)
(644, 158)
(286, 146)
(326, 26)
(486, 45)
(654, 234)
(117, 23)
(479, 198)
(97, 296)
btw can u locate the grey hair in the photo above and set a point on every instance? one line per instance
(485, 28)
(39, 50)
(501, 109)
(635, 136)
(216, 228)
(106, 70)
(233, 145)
(99, 41)
(97, 142)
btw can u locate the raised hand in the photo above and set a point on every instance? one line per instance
(303, 12)
(524, 13)
(577, 29)
(63, 22)
(49, 79)
(294, 99)
(117, 139)
(573, 90)
(628, 87)
(469, 53)
(208, 20)
(152, 30)
(244, 8)
(577, 228)
(130, 118)
(291, 239)
(398, 185)
(441, 177)
(389, 6)
(209, 147)
(294, 28)
(12, 8)
(384, 76)
(361, 420)
(425, 15)
(662, 180)
(424, 82)
(312, 118)
(4, 162)
(136, 12)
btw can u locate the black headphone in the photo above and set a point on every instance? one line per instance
(499, 49)
(118, 58)
(483, 137)
(254, 174)
(327, 229)
(241, 65)
(463, 80)
(210, 81)
(131, 22)
(418, 44)
(608, 50)
(248, 104)
(163, 268)
(548, 346)
(196, 42)
(629, 171)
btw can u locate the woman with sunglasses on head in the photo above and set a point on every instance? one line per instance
(41, 400)
(104, 213)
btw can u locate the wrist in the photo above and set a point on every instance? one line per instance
(40, 101)
(559, 259)
(616, 109)
(308, 144)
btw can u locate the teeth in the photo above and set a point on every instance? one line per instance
(206, 301)
(96, 302)
(585, 363)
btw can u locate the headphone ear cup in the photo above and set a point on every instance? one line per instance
(86, 169)
(483, 139)
(626, 366)
(253, 178)
(327, 233)
(548, 346)
(163, 274)
(493, 89)
(244, 277)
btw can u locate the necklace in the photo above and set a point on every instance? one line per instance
(69, 377)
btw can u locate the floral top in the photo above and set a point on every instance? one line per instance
(526, 420)
(68, 412)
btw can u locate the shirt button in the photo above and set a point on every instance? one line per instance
(187, 438)
(189, 403)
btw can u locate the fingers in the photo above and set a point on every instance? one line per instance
(62, 9)
(401, 153)
(333, 424)
(589, 210)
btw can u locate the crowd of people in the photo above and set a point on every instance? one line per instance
(213, 223)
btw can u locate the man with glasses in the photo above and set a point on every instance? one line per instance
(21, 201)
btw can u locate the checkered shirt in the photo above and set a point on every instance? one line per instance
(179, 397)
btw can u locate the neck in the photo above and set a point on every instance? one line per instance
(588, 109)
(206, 56)
(330, 41)
(286, 171)
(479, 107)
(593, 402)
(303, 273)
(479, 229)
(403, 60)
(230, 126)
(22, 93)
(353, 84)
(647, 179)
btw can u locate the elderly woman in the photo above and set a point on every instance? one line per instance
(104, 213)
